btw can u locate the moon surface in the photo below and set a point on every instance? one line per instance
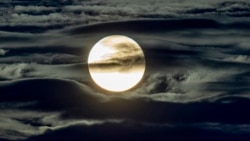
(116, 63)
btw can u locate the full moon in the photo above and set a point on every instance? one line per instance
(116, 63)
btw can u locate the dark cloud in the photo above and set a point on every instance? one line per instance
(30, 16)
(46, 58)
(63, 107)
(185, 49)
(130, 130)
(79, 101)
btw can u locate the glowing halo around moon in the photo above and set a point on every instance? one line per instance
(116, 63)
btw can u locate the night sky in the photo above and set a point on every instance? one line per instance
(196, 85)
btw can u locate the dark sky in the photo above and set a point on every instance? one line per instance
(196, 85)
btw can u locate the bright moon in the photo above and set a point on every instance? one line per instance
(116, 63)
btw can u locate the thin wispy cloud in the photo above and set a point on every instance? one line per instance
(3, 52)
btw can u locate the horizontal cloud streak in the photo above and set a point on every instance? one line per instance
(59, 14)
(15, 71)
(16, 124)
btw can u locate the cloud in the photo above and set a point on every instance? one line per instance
(196, 81)
(188, 54)
(3, 52)
(41, 20)
(15, 71)
(73, 8)
(32, 125)
(19, 124)
(190, 85)
(238, 59)
(88, 12)
(46, 58)
(47, 106)
(22, 9)
(13, 129)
